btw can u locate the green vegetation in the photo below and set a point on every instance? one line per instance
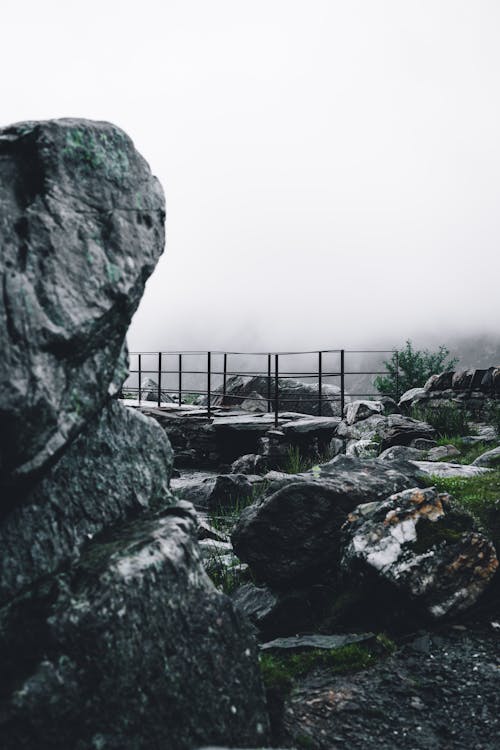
(469, 452)
(280, 670)
(492, 416)
(410, 368)
(227, 576)
(297, 463)
(479, 495)
(447, 419)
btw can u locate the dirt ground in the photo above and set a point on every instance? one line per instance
(439, 691)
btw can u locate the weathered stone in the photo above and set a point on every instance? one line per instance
(443, 469)
(423, 545)
(251, 463)
(255, 402)
(292, 533)
(462, 380)
(118, 466)
(363, 448)
(149, 392)
(489, 459)
(82, 226)
(223, 490)
(365, 429)
(442, 451)
(423, 444)
(294, 395)
(440, 382)
(358, 410)
(401, 430)
(410, 397)
(316, 641)
(132, 648)
(402, 453)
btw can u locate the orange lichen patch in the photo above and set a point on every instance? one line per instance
(418, 497)
(486, 556)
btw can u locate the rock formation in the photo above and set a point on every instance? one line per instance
(111, 633)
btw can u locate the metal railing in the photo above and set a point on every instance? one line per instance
(181, 384)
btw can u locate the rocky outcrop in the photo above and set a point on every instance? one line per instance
(358, 410)
(133, 647)
(111, 634)
(223, 491)
(149, 392)
(116, 468)
(82, 226)
(423, 545)
(292, 534)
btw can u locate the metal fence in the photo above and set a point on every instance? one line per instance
(176, 378)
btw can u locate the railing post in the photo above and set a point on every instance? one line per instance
(209, 368)
(320, 376)
(269, 383)
(159, 380)
(140, 377)
(224, 378)
(342, 382)
(276, 390)
(397, 375)
(180, 379)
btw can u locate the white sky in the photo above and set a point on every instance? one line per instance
(331, 168)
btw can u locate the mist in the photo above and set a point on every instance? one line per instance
(331, 169)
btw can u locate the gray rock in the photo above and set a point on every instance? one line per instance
(423, 545)
(411, 396)
(255, 402)
(489, 459)
(365, 429)
(401, 430)
(443, 469)
(441, 382)
(363, 448)
(223, 490)
(292, 534)
(82, 226)
(358, 410)
(423, 444)
(251, 463)
(133, 647)
(294, 395)
(316, 641)
(402, 453)
(311, 427)
(442, 451)
(149, 392)
(116, 468)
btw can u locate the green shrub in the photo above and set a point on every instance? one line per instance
(447, 419)
(411, 368)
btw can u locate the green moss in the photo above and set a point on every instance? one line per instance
(89, 153)
(478, 495)
(279, 671)
(433, 533)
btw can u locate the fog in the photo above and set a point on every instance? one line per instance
(331, 168)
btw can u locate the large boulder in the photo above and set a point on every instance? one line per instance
(111, 634)
(117, 467)
(489, 459)
(401, 430)
(358, 410)
(420, 542)
(82, 226)
(294, 395)
(292, 533)
(131, 648)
